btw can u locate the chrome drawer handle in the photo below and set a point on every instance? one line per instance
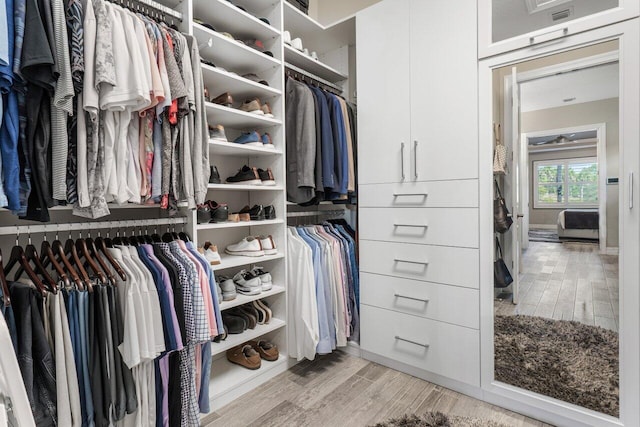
(630, 190)
(399, 338)
(397, 295)
(415, 160)
(550, 35)
(402, 159)
(410, 194)
(411, 225)
(411, 262)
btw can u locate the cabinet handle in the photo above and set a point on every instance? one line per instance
(411, 262)
(410, 194)
(399, 338)
(553, 35)
(397, 295)
(630, 190)
(402, 159)
(412, 225)
(415, 160)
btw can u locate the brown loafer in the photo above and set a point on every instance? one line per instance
(252, 106)
(224, 99)
(268, 351)
(244, 355)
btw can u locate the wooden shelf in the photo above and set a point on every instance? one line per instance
(237, 119)
(239, 187)
(240, 150)
(224, 225)
(240, 88)
(248, 335)
(235, 261)
(299, 59)
(244, 299)
(224, 16)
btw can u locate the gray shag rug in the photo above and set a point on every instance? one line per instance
(438, 419)
(569, 361)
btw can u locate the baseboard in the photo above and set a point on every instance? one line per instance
(544, 226)
(612, 251)
(352, 349)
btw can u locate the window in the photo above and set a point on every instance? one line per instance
(566, 183)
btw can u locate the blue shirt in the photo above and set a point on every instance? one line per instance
(328, 149)
(341, 154)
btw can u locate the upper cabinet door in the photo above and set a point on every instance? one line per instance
(444, 90)
(506, 25)
(383, 92)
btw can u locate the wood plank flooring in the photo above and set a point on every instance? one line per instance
(567, 281)
(341, 390)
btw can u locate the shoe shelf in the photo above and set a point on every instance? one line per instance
(234, 261)
(248, 335)
(240, 187)
(244, 299)
(229, 376)
(224, 225)
(222, 148)
(237, 119)
(231, 54)
(224, 16)
(239, 87)
(299, 59)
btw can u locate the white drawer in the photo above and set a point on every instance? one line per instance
(445, 303)
(439, 264)
(431, 226)
(444, 349)
(432, 194)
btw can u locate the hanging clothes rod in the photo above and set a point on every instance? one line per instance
(85, 226)
(304, 214)
(320, 80)
(136, 5)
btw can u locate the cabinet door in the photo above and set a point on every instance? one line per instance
(383, 92)
(444, 90)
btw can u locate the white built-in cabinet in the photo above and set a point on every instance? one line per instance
(418, 170)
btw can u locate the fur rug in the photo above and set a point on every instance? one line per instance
(569, 361)
(438, 419)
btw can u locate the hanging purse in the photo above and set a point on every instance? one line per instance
(501, 275)
(501, 218)
(500, 155)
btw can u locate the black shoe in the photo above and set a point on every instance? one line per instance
(246, 175)
(233, 323)
(215, 176)
(256, 213)
(218, 213)
(204, 214)
(266, 177)
(269, 212)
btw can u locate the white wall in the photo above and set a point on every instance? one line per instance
(330, 11)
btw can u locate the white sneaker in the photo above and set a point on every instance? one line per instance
(228, 288)
(249, 246)
(212, 255)
(297, 44)
(286, 37)
(247, 284)
(265, 278)
(268, 245)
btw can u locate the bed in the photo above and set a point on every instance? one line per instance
(579, 224)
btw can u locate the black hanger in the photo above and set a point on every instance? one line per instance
(5, 285)
(18, 257)
(184, 236)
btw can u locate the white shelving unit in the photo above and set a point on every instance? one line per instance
(244, 299)
(248, 335)
(320, 69)
(221, 148)
(223, 225)
(235, 261)
(237, 119)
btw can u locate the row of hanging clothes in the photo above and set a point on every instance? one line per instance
(324, 302)
(112, 331)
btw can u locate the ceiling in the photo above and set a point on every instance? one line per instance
(575, 87)
(512, 17)
(563, 138)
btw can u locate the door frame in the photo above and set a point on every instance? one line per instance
(542, 407)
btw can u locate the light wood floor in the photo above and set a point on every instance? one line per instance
(567, 281)
(341, 390)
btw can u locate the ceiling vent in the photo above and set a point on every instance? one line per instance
(561, 14)
(534, 6)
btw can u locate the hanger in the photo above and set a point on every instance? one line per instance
(47, 256)
(18, 257)
(32, 255)
(83, 251)
(102, 245)
(94, 253)
(70, 249)
(155, 237)
(57, 248)
(5, 285)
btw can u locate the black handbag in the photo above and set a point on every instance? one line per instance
(501, 219)
(501, 274)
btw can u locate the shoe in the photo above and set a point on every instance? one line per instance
(219, 292)
(267, 142)
(269, 212)
(246, 175)
(244, 355)
(249, 138)
(253, 314)
(214, 178)
(218, 213)
(234, 217)
(234, 324)
(267, 350)
(256, 213)
(242, 215)
(247, 284)
(224, 99)
(265, 307)
(286, 37)
(217, 133)
(206, 92)
(227, 35)
(262, 315)
(252, 106)
(314, 55)
(297, 44)
(203, 214)
(228, 288)
(249, 246)
(250, 318)
(265, 20)
(211, 254)
(254, 78)
(266, 109)
(265, 278)
(268, 245)
(266, 176)
(255, 44)
(306, 52)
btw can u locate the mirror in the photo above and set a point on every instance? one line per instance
(556, 325)
(511, 18)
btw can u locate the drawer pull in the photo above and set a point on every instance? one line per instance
(399, 338)
(397, 295)
(411, 262)
(410, 194)
(411, 225)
